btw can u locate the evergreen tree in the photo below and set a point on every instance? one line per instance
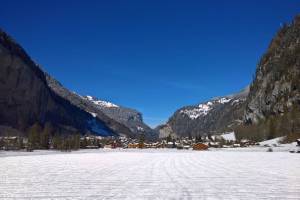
(169, 138)
(272, 129)
(44, 140)
(76, 141)
(198, 138)
(33, 136)
(56, 142)
(20, 143)
(84, 143)
(174, 143)
(142, 141)
(45, 136)
(190, 136)
(2, 143)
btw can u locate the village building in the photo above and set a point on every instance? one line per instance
(200, 147)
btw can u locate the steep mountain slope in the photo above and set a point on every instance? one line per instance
(122, 120)
(273, 104)
(217, 115)
(85, 105)
(25, 97)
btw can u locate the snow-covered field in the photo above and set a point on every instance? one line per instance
(150, 174)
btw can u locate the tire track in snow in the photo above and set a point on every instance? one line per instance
(149, 174)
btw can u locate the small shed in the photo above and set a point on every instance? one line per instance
(133, 145)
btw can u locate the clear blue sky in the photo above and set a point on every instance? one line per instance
(154, 56)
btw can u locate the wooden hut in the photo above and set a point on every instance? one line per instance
(200, 147)
(133, 145)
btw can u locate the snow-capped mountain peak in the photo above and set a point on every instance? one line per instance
(224, 100)
(101, 102)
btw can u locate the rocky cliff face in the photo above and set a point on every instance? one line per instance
(273, 103)
(217, 115)
(277, 83)
(25, 97)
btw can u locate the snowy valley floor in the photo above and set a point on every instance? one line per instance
(150, 174)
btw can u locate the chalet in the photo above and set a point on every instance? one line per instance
(92, 147)
(214, 144)
(11, 143)
(200, 147)
(236, 145)
(160, 145)
(133, 145)
(226, 146)
(108, 146)
(155, 145)
(179, 146)
(246, 143)
(171, 145)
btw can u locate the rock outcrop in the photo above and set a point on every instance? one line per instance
(276, 87)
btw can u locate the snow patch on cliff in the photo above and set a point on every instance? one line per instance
(101, 102)
(201, 110)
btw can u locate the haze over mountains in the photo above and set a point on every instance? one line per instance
(269, 107)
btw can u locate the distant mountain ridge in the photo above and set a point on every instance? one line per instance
(209, 117)
(26, 98)
(81, 103)
(127, 116)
